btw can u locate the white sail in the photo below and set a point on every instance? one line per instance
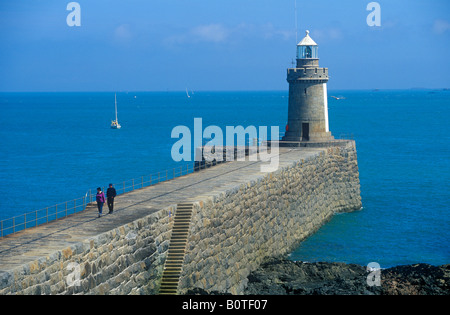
(115, 123)
(115, 105)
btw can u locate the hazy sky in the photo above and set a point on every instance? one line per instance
(160, 45)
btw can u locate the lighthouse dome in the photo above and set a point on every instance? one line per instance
(307, 41)
(307, 48)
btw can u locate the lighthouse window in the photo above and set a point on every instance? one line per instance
(308, 53)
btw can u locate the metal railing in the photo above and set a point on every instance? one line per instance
(41, 216)
(346, 136)
(64, 209)
(147, 180)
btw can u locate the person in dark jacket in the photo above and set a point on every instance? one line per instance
(110, 194)
(100, 198)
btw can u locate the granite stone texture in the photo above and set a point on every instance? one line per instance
(125, 260)
(234, 231)
(241, 216)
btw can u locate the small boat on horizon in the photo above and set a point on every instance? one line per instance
(115, 123)
(338, 97)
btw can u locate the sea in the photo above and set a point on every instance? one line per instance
(55, 147)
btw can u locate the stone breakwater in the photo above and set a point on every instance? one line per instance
(234, 231)
(241, 216)
(278, 276)
(125, 260)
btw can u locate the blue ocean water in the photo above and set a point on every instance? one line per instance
(56, 146)
(403, 144)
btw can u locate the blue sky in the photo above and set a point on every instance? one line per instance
(167, 45)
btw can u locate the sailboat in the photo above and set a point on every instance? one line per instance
(115, 123)
(187, 93)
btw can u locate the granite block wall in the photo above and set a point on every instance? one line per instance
(233, 232)
(126, 260)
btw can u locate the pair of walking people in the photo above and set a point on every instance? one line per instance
(100, 198)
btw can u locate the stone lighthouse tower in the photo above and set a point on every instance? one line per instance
(308, 103)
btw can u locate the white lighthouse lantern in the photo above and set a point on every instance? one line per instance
(307, 48)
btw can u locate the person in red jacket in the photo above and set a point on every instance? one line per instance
(100, 198)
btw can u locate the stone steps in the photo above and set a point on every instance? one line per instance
(177, 249)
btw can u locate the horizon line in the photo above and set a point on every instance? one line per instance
(231, 90)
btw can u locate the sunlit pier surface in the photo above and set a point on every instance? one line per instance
(41, 241)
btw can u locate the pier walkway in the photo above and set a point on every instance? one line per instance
(31, 244)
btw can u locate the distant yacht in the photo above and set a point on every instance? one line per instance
(187, 93)
(115, 123)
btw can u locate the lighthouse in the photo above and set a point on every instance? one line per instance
(308, 100)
